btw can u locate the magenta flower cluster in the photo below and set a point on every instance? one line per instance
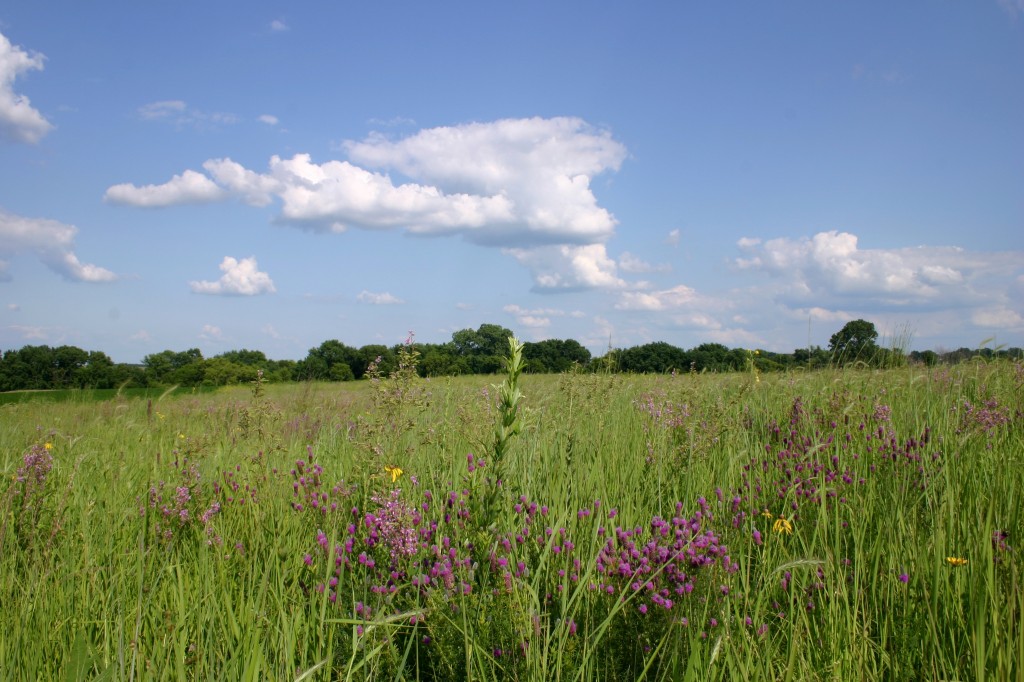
(661, 562)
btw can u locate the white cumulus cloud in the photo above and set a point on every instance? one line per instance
(831, 264)
(18, 120)
(240, 278)
(52, 242)
(568, 267)
(519, 184)
(269, 119)
(189, 187)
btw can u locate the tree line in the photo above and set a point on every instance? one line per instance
(470, 351)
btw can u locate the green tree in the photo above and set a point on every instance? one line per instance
(484, 348)
(369, 353)
(330, 361)
(169, 367)
(219, 371)
(811, 358)
(713, 357)
(653, 358)
(252, 358)
(97, 372)
(554, 355)
(29, 368)
(854, 342)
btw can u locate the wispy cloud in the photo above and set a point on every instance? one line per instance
(632, 264)
(536, 318)
(211, 333)
(676, 297)
(240, 278)
(178, 113)
(1013, 8)
(18, 120)
(278, 25)
(52, 242)
(30, 333)
(383, 298)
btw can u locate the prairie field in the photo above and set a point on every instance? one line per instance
(848, 524)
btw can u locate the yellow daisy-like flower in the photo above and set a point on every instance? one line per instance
(783, 525)
(48, 446)
(393, 471)
(767, 514)
(956, 561)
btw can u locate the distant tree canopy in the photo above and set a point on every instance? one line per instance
(854, 342)
(43, 367)
(470, 351)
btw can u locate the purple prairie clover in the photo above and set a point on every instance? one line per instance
(36, 465)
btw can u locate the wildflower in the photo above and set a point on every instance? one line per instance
(48, 446)
(394, 471)
(904, 578)
(956, 561)
(783, 525)
(767, 514)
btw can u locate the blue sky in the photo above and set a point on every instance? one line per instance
(272, 175)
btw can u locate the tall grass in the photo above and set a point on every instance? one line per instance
(794, 526)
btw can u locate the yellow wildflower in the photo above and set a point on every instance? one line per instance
(48, 446)
(394, 471)
(956, 561)
(783, 525)
(767, 514)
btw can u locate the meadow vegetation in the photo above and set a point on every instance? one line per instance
(831, 524)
